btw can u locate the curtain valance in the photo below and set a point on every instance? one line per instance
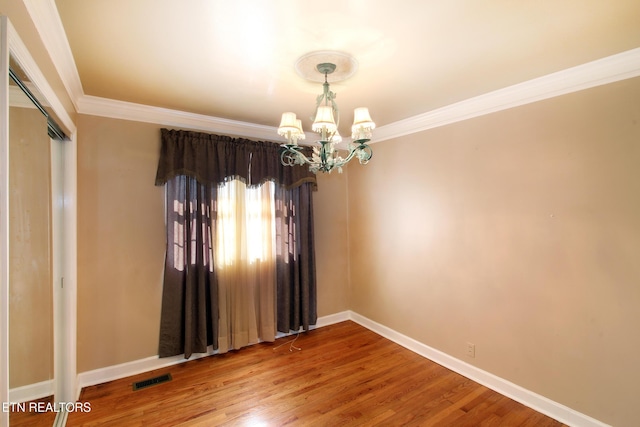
(214, 159)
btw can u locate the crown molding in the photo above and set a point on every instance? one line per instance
(104, 107)
(607, 70)
(610, 69)
(46, 19)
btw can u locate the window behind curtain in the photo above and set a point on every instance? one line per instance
(248, 208)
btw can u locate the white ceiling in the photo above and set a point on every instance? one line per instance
(235, 59)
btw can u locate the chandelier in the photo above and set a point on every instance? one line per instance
(325, 155)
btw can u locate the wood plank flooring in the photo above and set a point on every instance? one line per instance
(345, 375)
(33, 416)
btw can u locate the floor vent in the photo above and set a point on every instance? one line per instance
(151, 381)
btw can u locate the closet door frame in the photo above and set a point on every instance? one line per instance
(64, 160)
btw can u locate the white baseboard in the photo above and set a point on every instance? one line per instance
(110, 373)
(528, 398)
(31, 392)
(332, 318)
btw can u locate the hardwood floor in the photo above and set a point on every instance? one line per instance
(33, 414)
(345, 375)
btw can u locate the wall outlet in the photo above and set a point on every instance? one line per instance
(471, 350)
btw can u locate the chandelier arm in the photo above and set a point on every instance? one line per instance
(291, 155)
(366, 154)
(363, 148)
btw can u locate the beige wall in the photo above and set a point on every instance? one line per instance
(519, 232)
(331, 241)
(121, 242)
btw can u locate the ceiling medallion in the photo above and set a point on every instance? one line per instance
(326, 156)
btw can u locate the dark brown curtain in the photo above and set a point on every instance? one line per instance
(296, 273)
(215, 159)
(189, 316)
(193, 165)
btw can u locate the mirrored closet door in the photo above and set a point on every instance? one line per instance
(31, 356)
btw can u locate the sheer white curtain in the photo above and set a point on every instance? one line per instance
(245, 258)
